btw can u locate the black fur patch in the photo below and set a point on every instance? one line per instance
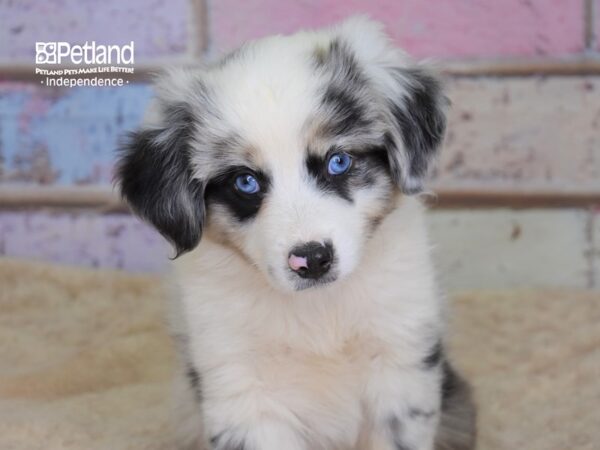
(339, 185)
(345, 112)
(156, 179)
(221, 190)
(366, 167)
(420, 118)
(458, 424)
(435, 356)
(450, 384)
(195, 381)
(340, 61)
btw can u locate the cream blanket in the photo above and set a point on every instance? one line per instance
(85, 362)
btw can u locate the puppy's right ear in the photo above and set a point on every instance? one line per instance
(155, 176)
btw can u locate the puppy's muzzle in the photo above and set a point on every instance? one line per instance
(311, 260)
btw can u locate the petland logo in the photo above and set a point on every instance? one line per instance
(84, 65)
(88, 53)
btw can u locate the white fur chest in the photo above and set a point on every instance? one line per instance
(317, 351)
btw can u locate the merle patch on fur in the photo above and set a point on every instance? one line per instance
(339, 59)
(434, 356)
(366, 167)
(156, 179)
(418, 413)
(374, 223)
(344, 109)
(344, 112)
(420, 119)
(221, 190)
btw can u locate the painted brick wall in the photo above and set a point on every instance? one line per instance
(501, 132)
(68, 136)
(519, 133)
(159, 28)
(595, 29)
(464, 241)
(440, 28)
(65, 137)
(162, 28)
(530, 133)
(112, 241)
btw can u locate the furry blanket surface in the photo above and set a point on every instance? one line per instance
(85, 362)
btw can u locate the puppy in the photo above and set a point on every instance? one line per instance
(307, 315)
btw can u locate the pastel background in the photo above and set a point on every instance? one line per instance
(518, 180)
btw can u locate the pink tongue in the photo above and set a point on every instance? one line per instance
(297, 262)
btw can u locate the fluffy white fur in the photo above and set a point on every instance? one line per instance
(323, 368)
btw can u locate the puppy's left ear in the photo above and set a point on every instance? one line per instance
(155, 176)
(417, 112)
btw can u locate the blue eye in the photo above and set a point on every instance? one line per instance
(339, 163)
(247, 184)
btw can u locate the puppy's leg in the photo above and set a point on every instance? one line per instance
(232, 421)
(457, 430)
(268, 435)
(405, 408)
(261, 433)
(186, 410)
(250, 420)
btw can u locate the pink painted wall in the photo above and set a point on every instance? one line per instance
(596, 26)
(93, 240)
(158, 27)
(440, 28)
(427, 28)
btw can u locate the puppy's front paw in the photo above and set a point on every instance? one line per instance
(227, 440)
(266, 435)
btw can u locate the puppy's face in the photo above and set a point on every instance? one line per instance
(290, 151)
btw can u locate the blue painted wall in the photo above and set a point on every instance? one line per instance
(65, 136)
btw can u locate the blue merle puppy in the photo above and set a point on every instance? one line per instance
(307, 315)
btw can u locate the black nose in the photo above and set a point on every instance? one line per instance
(311, 260)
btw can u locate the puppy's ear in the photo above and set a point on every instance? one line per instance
(417, 107)
(155, 176)
(413, 100)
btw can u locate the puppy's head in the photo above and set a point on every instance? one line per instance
(290, 151)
